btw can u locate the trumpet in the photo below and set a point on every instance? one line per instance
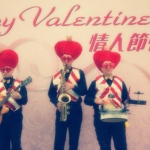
(64, 98)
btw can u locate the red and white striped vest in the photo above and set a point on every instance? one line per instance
(11, 103)
(103, 90)
(73, 78)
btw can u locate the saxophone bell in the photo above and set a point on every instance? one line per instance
(64, 98)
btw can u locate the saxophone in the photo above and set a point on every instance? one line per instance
(64, 98)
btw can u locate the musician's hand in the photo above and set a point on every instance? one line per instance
(126, 104)
(98, 101)
(59, 106)
(16, 95)
(68, 86)
(1, 97)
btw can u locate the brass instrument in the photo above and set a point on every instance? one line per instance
(64, 98)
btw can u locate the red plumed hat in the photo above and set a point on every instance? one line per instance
(69, 47)
(9, 58)
(105, 55)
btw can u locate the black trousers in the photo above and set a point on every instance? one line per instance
(73, 124)
(105, 131)
(10, 132)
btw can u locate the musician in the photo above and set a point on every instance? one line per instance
(11, 112)
(107, 91)
(75, 86)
